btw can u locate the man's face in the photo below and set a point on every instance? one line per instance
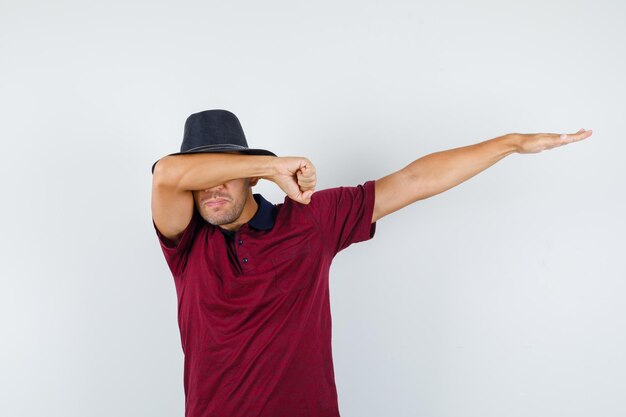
(223, 204)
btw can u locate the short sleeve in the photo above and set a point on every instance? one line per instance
(176, 255)
(344, 214)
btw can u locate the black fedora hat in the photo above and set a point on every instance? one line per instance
(215, 131)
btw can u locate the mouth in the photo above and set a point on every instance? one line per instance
(214, 202)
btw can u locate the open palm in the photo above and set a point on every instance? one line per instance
(537, 142)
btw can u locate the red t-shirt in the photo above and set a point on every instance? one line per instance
(254, 308)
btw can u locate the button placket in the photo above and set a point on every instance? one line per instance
(242, 252)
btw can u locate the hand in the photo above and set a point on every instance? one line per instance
(537, 142)
(296, 177)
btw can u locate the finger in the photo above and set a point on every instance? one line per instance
(303, 197)
(306, 183)
(307, 172)
(303, 166)
(305, 179)
(574, 137)
(301, 179)
(583, 134)
(307, 196)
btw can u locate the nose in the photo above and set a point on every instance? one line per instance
(217, 187)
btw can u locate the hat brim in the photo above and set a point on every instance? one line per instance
(222, 149)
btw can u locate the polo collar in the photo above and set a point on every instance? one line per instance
(263, 219)
(265, 215)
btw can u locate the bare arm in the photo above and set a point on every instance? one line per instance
(175, 177)
(440, 171)
(206, 170)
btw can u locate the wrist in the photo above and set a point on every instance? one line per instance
(270, 167)
(511, 142)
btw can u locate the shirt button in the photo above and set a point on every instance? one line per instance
(245, 260)
(241, 242)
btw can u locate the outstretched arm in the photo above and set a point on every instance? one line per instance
(440, 171)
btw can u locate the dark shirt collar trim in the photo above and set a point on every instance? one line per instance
(264, 217)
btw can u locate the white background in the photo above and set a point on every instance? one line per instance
(503, 296)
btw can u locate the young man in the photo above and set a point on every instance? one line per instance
(252, 276)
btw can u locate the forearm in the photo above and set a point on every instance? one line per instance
(206, 170)
(440, 171)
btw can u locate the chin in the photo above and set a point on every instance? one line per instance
(219, 221)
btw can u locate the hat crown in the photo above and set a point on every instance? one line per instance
(215, 131)
(212, 127)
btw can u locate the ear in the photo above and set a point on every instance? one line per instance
(253, 181)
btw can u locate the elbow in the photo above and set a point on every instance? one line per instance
(163, 173)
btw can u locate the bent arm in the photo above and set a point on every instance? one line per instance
(175, 177)
(200, 171)
(438, 172)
